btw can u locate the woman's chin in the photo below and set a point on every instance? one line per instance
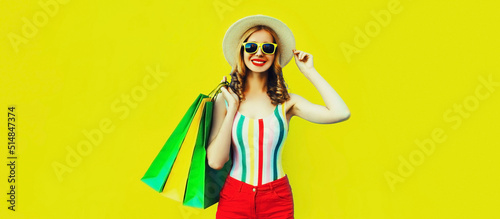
(258, 69)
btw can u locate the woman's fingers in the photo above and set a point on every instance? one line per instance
(299, 54)
(225, 92)
(230, 97)
(227, 95)
(235, 96)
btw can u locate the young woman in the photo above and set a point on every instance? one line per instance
(253, 115)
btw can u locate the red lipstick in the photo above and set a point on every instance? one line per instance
(258, 62)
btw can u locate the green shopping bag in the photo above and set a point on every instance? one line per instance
(160, 168)
(204, 183)
(175, 186)
(200, 186)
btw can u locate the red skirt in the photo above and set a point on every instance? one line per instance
(242, 200)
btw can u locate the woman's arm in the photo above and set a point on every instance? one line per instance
(335, 109)
(220, 132)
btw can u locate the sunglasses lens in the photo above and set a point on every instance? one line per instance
(268, 48)
(251, 47)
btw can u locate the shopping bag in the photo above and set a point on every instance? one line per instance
(204, 183)
(196, 139)
(160, 168)
(172, 170)
(175, 186)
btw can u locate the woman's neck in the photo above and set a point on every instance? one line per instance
(256, 82)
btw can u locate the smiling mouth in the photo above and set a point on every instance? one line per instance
(258, 63)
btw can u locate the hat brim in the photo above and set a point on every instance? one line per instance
(237, 29)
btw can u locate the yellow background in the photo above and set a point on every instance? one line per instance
(75, 73)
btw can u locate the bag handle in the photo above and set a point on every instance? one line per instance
(216, 91)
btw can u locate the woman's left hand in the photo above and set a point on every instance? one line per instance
(303, 60)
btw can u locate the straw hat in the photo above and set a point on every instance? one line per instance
(236, 30)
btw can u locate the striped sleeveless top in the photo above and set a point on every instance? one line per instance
(257, 145)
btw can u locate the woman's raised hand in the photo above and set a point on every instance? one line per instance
(303, 60)
(233, 101)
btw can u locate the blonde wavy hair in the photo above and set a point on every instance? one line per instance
(276, 87)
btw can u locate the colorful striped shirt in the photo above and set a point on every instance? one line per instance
(257, 147)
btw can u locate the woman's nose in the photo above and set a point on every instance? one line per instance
(259, 52)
